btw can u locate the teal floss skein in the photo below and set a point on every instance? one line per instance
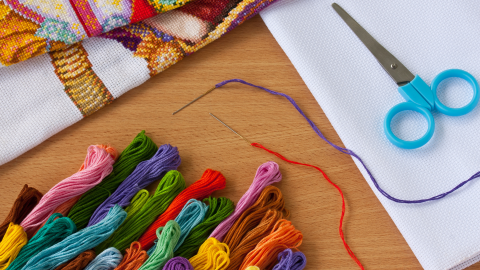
(78, 242)
(191, 215)
(168, 237)
(55, 230)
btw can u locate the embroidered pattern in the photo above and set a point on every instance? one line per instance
(81, 83)
(33, 27)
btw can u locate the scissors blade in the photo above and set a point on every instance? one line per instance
(399, 73)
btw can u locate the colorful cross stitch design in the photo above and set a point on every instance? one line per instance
(33, 27)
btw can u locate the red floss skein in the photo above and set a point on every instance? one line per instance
(211, 181)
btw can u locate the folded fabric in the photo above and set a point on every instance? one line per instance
(355, 93)
(46, 94)
(32, 28)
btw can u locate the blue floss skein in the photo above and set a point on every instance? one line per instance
(109, 259)
(164, 160)
(55, 230)
(78, 242)
(191, 215)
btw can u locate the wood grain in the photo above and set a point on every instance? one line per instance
(250, 53)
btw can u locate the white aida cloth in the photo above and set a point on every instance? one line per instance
(355, 93)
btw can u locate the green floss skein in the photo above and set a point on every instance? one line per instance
(137, 203)
(169, 187)
(54, 231)
(168, 237)
(140, 149)
(220, 209)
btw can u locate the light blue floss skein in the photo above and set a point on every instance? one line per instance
(78, 242)
(109, 259)
(193, 212)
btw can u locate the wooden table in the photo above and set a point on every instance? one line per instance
(250, 53)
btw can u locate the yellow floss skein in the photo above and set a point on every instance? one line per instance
(252, 268)
(13, 241)
(212, 255)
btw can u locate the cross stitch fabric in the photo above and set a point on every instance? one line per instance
(30, 28)
(48, 93)
(355, 93)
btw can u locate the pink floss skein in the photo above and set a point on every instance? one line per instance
(267, 174)
(97, 165)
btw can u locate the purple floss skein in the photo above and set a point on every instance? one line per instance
(267, 174)
(350, 152)
(178, 263)
(291, 261)
(164, 160)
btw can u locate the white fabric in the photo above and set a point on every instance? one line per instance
(355, 93)
(33, 106)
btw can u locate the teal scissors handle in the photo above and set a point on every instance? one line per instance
(423, 99)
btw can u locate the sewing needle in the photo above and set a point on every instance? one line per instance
(230, 128)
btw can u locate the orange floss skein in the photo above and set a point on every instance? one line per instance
(134, 257)
(283, 236)
(209, 182)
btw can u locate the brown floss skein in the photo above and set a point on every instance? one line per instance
(270, 198)
(23, 205)
(80, 262)
(252, 238)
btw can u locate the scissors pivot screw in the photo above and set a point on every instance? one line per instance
(393, 66)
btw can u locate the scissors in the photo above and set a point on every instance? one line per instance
(419, 96)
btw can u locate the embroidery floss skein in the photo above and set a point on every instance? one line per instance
(55, 230)
(80, 262)
(13, 241)
(219, 209)
(166, 159)
(107, 260)
(267, 174)
(168, 237)
(138, 201)
(270, 198)
(178, 263)
(23, 205)
(98, 164)
(140, 149)
(253, 237)
(191, 215)
(209, 182)
(212, 255)
(252, 268)
(289, 260)
(78, 242)
(169, 187)
(134, 257)
(283, 236)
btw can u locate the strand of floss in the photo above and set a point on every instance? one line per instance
(191, 215)
(169, 187)
(165, 159)
(253, 237)
(340, 227)
(350, 152)
(212, 255)
(134, 257)
(178, 263)
(23, 205)
(289, 260)
(271, 198)
(78, 242)
(107, 260)
(252, 268)
(98, 164)
(55, 230)
(13, 241)
(140, 149)
(168, 237)
(267, 174)
(219, 209)
(283, 236)
(210, 181)
(80, 262)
